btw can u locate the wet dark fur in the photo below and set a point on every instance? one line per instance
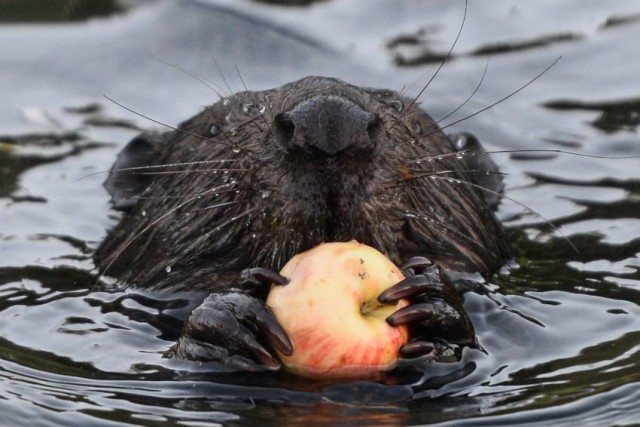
(268, 200)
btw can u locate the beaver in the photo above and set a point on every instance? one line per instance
(221, 202)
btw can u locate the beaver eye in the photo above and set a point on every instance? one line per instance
(396, 105)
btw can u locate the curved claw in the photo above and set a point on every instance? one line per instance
(411, 286)
(277, 336)
(262, 355)
(436, 312)
(263, 275)
(416, 349)
(417, 263)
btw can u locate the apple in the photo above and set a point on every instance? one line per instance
(330, 311)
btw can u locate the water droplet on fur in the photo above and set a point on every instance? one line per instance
(234, 131)
(459, 156)
(214, 130)
(418, 162)
(143, 213)
(253, 109)
(236, 149)
(168, 269)
(228, 118)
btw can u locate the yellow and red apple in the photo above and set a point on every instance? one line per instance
(330, 311)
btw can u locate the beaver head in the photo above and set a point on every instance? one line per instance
(261, 176)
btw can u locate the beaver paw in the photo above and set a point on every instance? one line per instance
(437, 322)
(226, 328)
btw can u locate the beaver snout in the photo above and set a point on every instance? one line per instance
(325, 125)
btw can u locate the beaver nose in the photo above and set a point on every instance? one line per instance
(325, 124)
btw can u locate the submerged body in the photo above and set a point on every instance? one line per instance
(261, 176)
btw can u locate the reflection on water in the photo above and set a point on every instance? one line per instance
(56, 10)
(559, 335)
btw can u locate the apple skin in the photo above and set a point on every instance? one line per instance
(330, 311)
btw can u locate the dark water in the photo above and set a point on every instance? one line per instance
(561, 334)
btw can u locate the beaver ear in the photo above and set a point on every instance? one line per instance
(125, 185)
(482, 170)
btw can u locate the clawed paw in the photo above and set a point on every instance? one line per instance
(235, 328)
(436, 319)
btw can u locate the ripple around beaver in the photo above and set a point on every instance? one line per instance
(560, 334)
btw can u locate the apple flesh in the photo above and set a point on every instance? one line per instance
(330, 311)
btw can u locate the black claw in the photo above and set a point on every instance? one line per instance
(408, 287)
(416, 349)
(277, 336)
(418, 262)
(263, 275)
(263, 356)
(411, 313)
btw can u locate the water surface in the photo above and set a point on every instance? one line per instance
(560, 334)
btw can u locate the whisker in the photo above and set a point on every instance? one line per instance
(222, 76)
(252, 120)
(504, 98)
(217, 205)
(185, 171)
(426, 217)
(235, 218)
(215, 88)
(442, 63)
(199, 195)
(144, 230)
(457, 154)
(186, 132)
(446, 172)
(558, 151)
(152, 224)
(231, 144)
(463, 153)
(482, 110)
(165, 165)
(511, 199)
(477, 88)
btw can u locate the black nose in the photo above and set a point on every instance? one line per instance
(325, 124)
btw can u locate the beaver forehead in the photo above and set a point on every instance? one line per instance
(292, 94)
